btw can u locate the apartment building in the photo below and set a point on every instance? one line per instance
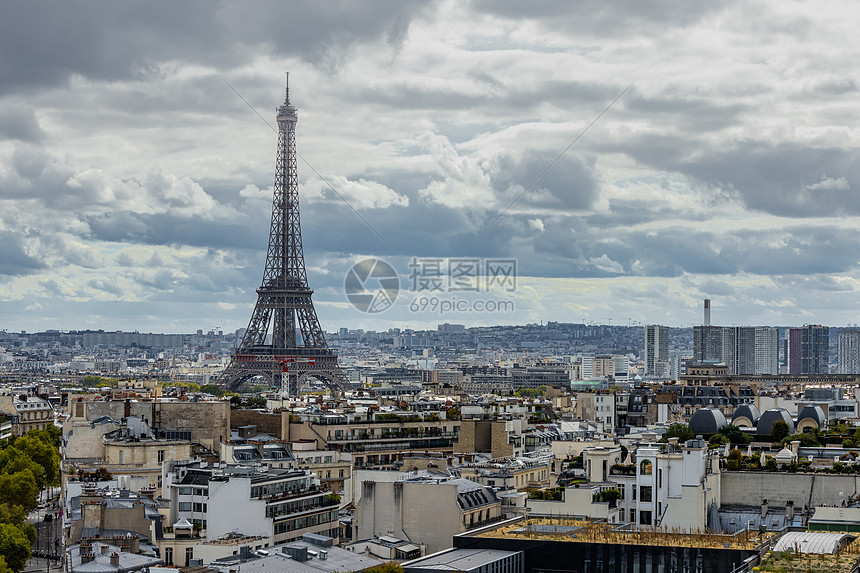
(379, 441)
(26, 412)
(279, 504)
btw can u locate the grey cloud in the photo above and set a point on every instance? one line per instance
(568, 184)
(784, 179)
(14, 258)
(29, 161)
(18, 121)
(168, 229)
(602, 18)
(125, 39)
(693, 115)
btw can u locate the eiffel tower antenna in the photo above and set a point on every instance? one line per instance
(271, 346)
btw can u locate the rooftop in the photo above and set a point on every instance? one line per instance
(559, 529)
(336, 559)
(459, 559)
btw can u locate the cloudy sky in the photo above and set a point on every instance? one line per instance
(135, 184)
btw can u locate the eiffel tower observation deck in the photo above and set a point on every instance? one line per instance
(284, 342)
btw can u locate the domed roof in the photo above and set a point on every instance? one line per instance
(748, 411)
(707, 421)
(768, 417)
(813, 412)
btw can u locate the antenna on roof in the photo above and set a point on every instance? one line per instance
(287, 100)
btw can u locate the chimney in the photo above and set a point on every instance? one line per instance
(789, 512)
(105, 549)
(795, 448)
(707, 312)
(114, 559)
(763, 508)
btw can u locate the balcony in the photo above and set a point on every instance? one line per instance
(393, 436)
(276, 497)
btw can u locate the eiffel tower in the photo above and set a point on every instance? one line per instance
(284, 302)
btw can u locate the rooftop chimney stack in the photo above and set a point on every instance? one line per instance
(707, 312)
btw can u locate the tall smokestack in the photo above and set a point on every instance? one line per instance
(707, 312)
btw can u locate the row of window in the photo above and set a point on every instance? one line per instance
(286, 486)
(195, 507)
(306, 521)
(296, 506)
(192, 491)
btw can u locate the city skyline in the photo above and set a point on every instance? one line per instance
(136, 187)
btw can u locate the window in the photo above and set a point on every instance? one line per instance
(645, 493)
(184, 506)
(185, 491)
(168, 555)
(645, 468)
(160, 456)
(189, 554)
(644, 518)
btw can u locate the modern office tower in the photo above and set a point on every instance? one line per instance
(656, 348)
(744, 350)
(707, 321)
(707, 344)
(766, 350)
(750, 349)
(729, 348)
(795, 343)
(848, 356)
(814, 349)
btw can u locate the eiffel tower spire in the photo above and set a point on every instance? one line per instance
(271, 346)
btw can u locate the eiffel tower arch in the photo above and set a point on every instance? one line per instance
(284, 342)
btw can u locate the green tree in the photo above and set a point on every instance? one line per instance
(680, 431)
(806, 440)
(3, 567)
(779, 430)
(17, 516)
(15, 548)
(734, 460)
(13, 461)
(735, 434)
(19, 489)
(37, 446)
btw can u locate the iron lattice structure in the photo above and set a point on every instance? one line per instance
(271, 346)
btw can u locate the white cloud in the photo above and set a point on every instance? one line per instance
(829, 184)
